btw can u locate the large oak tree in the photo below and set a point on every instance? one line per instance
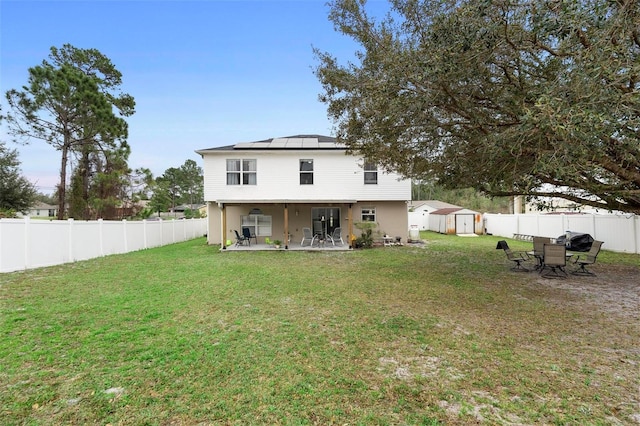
(73, 102)
(537, 97)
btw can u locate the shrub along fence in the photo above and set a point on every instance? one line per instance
(26, 243)
(620, 233)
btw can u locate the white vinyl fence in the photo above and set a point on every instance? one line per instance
(620, 233)
(26, 243)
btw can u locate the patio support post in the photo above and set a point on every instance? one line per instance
(223, 231)
(286, 226)
(350, 223)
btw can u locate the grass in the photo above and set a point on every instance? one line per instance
(183, 334)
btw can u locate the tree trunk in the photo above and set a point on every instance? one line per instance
(63, 181)
(85, 184)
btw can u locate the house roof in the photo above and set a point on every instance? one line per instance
(39, 205)
(296, 142)
(183, 207)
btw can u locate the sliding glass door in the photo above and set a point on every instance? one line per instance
(325, 220)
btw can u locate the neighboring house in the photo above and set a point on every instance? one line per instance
(419, 212)
(201, 208)
(41, 209)
(279, 186)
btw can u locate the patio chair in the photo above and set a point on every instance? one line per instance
(588, 258)
(336, 235)
(518, 257)
(246, 232)
(319, 234)
(538, 247)
(307, 236)
(240, 239)
(554, 261)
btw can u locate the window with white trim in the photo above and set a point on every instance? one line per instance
(242, 172)
(370, 173)
(368, 214)
(306, 172)
(258, 224)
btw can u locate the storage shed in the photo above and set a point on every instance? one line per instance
(419, 212)
(455, 220)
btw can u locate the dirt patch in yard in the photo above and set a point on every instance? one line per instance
(615, 290)
(585, 350)
(608, 320)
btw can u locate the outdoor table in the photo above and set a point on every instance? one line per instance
(540, 257)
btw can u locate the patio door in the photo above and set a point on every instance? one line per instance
(325, 219)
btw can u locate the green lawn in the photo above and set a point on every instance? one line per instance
(440, 334)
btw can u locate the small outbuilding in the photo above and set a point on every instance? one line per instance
(455, 220)
(419, 212)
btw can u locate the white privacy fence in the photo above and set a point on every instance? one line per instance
(26, 243)
(619, 232)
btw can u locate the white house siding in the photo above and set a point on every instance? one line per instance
(336, 177)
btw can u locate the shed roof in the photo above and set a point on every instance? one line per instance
(456, 210)
(446, 211)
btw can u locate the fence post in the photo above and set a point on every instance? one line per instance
(70, 240)
(144, 233)
(1, 249)
(101, 239)
(27, 238)
(636, 219)
(124, 229)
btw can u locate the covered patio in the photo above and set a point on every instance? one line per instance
(268, 222)
(293, 246)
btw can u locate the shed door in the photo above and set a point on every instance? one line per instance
(465, 224)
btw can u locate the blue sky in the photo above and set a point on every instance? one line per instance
(204, 73)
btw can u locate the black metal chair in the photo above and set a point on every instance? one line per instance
(246, 233)
(240, 239)
(518, 257)
(587, 259)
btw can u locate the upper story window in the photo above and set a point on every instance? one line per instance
(241, 172)
(306, 172)
(368, 214)
(370, 173)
